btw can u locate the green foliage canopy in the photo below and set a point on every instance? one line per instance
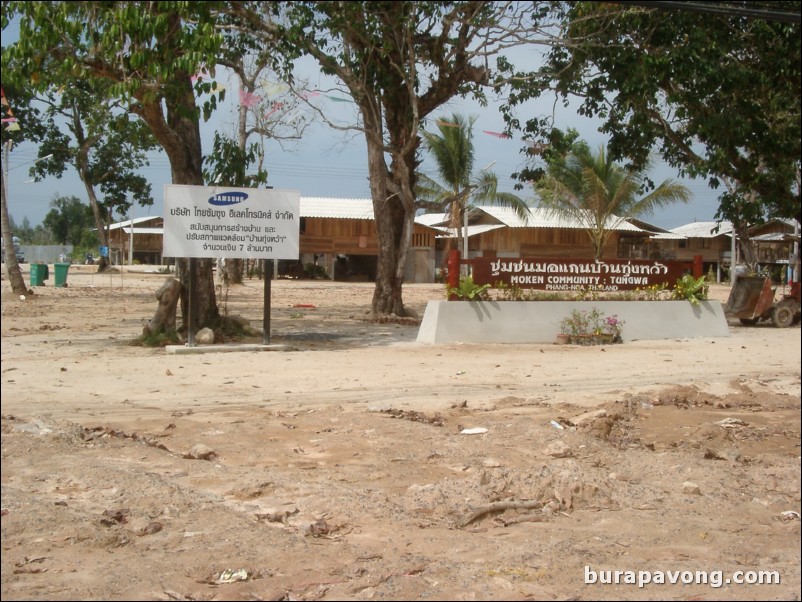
(400, 61)
(600, 194)
(718, 96)
(71, 222)
(147, 53)
(453, 152)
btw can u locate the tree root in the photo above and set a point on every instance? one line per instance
(497, 507)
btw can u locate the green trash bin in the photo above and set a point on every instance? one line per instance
(61, 273)
(38, 274)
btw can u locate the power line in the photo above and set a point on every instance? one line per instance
(753, 9)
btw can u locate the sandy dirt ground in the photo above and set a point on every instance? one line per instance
(350, 462)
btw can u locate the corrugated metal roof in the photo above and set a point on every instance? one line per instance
(668, 236)
(704, 229)
(542, 218)
(145, 230)
(136, 220)
(345, 208)
(776, 237)
(784, 220)
(644, 225)
(472, 230)
(432, 219)
(353, 208)
(332, 207)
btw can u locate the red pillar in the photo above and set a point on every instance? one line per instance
(697, 266)
(452, 277)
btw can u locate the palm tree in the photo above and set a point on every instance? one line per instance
(600, 194)
(453, 153)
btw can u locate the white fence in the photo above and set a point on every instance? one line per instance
(48, 253)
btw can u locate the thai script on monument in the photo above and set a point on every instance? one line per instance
(574, 274)
(596, 267)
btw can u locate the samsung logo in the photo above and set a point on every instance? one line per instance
(228, 198)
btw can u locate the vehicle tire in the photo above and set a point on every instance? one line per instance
(782, 317)
(749, 321)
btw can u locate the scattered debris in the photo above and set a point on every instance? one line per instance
(588, 417)
(200, 452)
(232, 576)
(731, 423)
(562, 424)
(477, 513)
(25, 565)
(558, 449)
(690, 488)
(731, 455)
(321, 528)
(276, 516)
(91, 434)
(436, 420)
(114, 517)
(151, 528)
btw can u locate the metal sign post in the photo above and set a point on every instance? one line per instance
(191, 303)
(266, 305)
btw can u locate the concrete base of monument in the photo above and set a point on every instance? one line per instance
(539, 321)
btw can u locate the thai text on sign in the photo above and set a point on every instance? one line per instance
(235, 223)
(577, 274)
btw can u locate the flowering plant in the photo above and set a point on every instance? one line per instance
(593, 322)
(578, 322)
(612, 325)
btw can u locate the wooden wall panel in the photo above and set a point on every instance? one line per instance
(542, 242)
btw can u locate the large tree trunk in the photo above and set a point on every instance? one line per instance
(203, 314)
(12, 265)
(82, 164)
(389, 214)
(100, 224)
(234, 269)
(392, 190)
(179, 135)
(164, 318)
(387, 295)
(748, 250)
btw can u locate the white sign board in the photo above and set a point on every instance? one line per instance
(235, 223)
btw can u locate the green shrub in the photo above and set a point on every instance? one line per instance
(314, 271)
(691, 289)
(468, 290)
(158, 339)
